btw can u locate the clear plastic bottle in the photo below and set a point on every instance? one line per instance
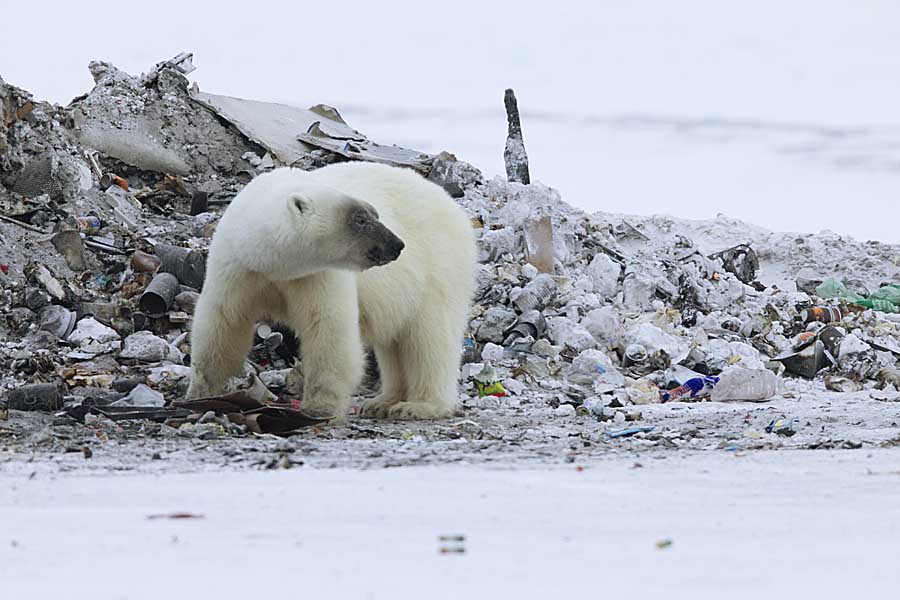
(539, 292)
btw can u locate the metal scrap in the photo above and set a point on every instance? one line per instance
(741, 260)
(366, 150)
(275, 126)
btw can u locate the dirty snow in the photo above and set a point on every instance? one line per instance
(804, 525)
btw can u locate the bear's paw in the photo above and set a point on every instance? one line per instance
(419, 411)
(377, 407)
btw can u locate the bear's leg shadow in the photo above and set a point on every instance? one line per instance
(393, 384)
(431, 356)
(326, 314)
(221, 335)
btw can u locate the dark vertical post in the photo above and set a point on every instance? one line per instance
(514, 154)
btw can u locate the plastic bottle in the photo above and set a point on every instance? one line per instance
(537, 294)
(530, 323)
(751, 385)
(470, 351)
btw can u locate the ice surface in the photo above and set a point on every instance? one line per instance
(820, 525)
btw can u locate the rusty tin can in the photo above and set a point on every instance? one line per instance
(822, 314)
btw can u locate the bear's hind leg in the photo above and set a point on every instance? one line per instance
(393, 389)
(431, 368)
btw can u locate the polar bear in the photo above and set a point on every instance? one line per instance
(350, 254)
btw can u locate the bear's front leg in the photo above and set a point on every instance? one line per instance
(221, 334)
(323, 308)
(393, 388)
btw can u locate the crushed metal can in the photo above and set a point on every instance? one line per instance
(46, 397)
(831, 337)
(531, 323)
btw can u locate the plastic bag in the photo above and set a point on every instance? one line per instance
(886, 299)
(879, 305)
(750, 385)
(832, 288)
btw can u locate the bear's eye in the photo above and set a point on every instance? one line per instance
(298, 203)
(360, 219)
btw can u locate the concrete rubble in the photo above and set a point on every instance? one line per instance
(589, 332)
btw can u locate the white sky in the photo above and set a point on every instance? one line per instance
(431, 75)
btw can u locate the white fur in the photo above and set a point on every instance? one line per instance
(267, 259)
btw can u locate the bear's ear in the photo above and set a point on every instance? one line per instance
(299, 203)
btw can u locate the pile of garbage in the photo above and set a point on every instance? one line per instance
(108, 206)
(604, 311)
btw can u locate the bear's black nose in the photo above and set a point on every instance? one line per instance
(386, 252)
(395, 247)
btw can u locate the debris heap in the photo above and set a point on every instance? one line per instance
(108, 205)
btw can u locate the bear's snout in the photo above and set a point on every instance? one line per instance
(387, 251)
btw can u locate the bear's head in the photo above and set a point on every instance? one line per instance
(334, 230)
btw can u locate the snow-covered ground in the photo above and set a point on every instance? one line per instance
(781, 114)
(797, 525)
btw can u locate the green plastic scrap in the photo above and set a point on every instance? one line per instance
(832, 288)
(879, 305)
(886, 299)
